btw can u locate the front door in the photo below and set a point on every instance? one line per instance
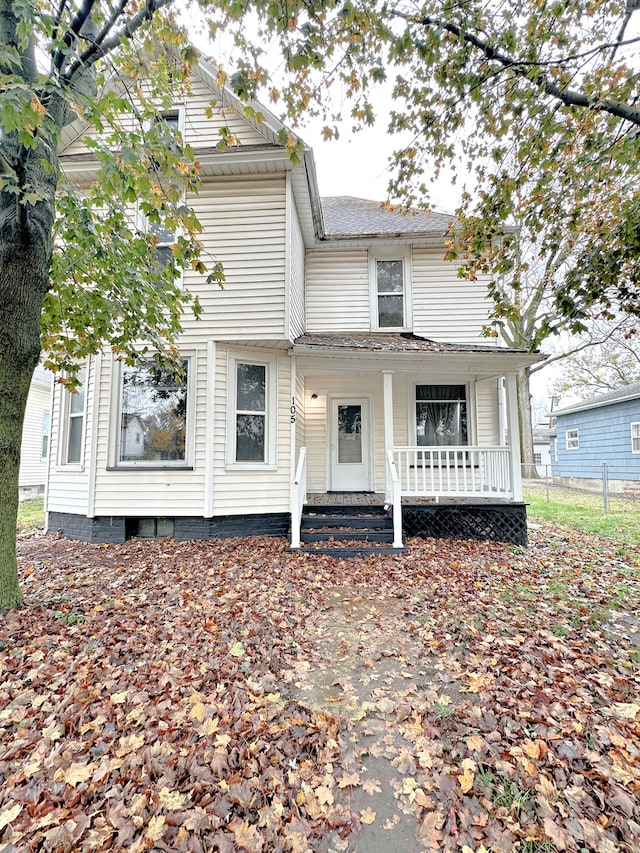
(350, 445)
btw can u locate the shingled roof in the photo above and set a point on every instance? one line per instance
(400, 342)
(627, 392)
(345, 216)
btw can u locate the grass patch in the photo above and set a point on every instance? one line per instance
(582, 511)
(30, 515)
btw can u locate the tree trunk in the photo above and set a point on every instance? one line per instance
(526, 427)
(25, 263)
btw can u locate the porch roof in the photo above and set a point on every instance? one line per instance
(486, 358)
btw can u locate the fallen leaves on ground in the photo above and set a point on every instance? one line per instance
(148, 696)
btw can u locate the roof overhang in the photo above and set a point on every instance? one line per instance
(410, 352)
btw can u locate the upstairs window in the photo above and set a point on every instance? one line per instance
(441, 415)
(390, 292)
(572, 439)
(635, 437)
(153, 415)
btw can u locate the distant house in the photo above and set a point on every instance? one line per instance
(541, 450)
(602, 431)
(35, 437)
(344, 357)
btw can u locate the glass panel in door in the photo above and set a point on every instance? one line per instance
(350, 434)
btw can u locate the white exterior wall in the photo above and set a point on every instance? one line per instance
(445, 308)
(295, 255)
(337, 290)
(488, 422)
(143, 491)
(258, 489)
(244, 226)
(198, 126)
(33, 467)
(69, 485)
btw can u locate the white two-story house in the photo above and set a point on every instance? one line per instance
(343, 361)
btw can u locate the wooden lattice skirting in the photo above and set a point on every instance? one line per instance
(496, 522)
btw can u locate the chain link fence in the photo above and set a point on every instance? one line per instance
(612, 488)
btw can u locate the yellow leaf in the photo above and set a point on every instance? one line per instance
(300, 798)
(197, 712)
(7, 815)
(119, 698)
(348, 780)
(531, 749)
(367, 815)
(475, 743)
(210, 726)
(628, 710)
(78, 773)
(466, 780)
(155, 827)
(324, 795)
(237, 649)
(172, 801)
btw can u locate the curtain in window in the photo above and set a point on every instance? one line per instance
(441, 415)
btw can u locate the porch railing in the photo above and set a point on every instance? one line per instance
(394, 498)
(460, 471)
(298, 497)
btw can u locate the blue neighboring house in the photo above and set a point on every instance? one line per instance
(603, 430)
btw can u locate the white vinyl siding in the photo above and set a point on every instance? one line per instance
(486, 413)
(439, 305)
(445, 307)
(68, 487)
(244, 228)
(33, 466)
(337, 291)
(196, 125)
(296, 274)
(264, 489)
(142, 491)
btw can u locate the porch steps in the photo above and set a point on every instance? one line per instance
(347, 531)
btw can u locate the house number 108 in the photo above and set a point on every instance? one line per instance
(293, 410)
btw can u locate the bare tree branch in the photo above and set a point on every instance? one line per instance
(527, 70)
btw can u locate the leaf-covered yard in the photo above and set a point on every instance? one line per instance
(232, 696)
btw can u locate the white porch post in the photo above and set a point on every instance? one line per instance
(387, 377)
(513, 423)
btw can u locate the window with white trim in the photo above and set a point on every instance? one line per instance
(537, 458)
(572, 439)
(154, 423)
(390, 290)
(46, 432)
(74, 401)
(555, 450)
(251, 423)
(635, 437)
(441, 415)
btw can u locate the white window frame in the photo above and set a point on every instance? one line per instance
(271, 412)
(66, 416)
(556, 456)
(116, 437)
(398, 254)
(634, 428)
(413, 425)
(572, 439)
(46, 434)
(143, 222)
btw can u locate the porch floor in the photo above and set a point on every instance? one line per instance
(378, 499)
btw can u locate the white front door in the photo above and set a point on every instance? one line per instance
(350, 445)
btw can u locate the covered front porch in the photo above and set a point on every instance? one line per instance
(407, 423)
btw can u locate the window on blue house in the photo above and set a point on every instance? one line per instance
(572, 439)
(635, 437)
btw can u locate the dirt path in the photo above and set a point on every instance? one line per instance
(366, 670)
